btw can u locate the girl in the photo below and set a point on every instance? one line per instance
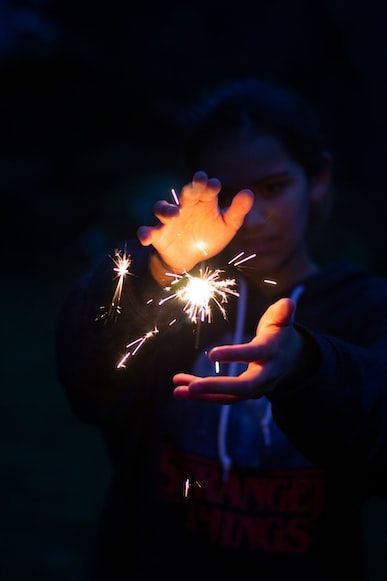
(260, 467)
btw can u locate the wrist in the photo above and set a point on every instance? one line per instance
(304, 366)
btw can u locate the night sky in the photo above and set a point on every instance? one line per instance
(86, 92)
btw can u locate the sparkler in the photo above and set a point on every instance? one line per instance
(122, 263)
(199, 292)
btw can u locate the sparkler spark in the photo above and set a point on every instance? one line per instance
(235, 262)
(122, 263)
(138, 343)
(175, 198)
(199, 292)
(188, 484)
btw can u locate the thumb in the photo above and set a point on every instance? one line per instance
(241, 204)
(279, 314)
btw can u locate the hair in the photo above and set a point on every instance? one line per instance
(256, 106)
(252, 106)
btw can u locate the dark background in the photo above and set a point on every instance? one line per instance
(83, 158)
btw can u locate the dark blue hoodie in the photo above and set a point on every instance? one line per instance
(267, 488)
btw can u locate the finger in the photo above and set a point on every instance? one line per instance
(164, 211)
(211, 191)
(144, 235)
(148, 234)
(241, 204)
(236, 386)
(185, 393)
(184, 378)
(200, 178)
(279, 314)
(245, 353)
(191, 192)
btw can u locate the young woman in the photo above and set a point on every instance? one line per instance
(245, 446)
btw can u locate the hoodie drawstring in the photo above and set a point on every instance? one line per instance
(225, 458)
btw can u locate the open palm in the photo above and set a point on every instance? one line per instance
(197, 228)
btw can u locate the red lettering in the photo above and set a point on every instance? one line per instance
(299, 538)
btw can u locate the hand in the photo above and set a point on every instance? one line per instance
(274, 352)
(197, 228)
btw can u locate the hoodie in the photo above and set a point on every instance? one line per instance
(265, 487)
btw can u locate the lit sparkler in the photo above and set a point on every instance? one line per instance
(122, 263)
(137, 344)
(199, 292)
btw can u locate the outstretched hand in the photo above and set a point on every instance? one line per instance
(196, 229)
(273, 353)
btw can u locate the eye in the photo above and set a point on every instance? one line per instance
(274, 187)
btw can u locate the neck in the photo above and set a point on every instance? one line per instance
(295, 269)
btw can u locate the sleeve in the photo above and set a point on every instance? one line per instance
(90, 346)
(335, 409)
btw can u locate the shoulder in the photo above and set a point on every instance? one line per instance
(345, 298)
(344, 277)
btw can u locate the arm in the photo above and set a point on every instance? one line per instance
(88, 350)
(329, 396)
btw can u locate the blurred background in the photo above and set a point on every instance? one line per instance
(84, 155)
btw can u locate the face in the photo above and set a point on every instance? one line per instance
(275, 229)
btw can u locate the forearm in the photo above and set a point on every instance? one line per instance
(333, 413)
